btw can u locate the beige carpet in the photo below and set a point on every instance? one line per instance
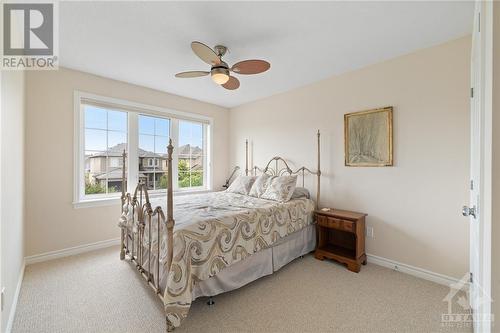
(96, 292)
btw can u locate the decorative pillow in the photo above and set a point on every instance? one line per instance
(301, 192)
(260, 185)
(241, 185)
(280, 188)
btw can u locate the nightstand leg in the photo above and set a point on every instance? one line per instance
(318, 256)
(364, 259)
(354, 267)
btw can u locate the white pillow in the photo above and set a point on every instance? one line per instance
(280, 188)
(260, 185)
(241, 185)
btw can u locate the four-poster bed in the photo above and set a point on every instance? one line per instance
(221, 240)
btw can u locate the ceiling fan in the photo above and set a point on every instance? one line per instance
(220, 71)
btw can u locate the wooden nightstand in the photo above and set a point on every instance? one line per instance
(341, 237)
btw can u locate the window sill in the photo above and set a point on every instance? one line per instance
(116, 201)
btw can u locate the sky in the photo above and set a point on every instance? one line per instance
(107, 128)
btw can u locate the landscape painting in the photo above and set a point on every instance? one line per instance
(368, 138)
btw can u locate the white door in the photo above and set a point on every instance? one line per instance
(479, 208)
(473, 209)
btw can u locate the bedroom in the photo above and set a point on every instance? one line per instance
(386, 223)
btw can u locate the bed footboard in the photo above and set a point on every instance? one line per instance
(139, 220)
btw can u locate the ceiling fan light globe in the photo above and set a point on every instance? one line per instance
(220, 75)
(220, 78)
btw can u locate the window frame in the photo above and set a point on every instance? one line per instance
(133, 110)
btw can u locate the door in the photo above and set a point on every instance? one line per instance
(473, 211)
(479, 208)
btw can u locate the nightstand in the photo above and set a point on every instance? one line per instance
(341, 237)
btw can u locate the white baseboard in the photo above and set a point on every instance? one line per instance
(71, 251)
(411, 270)
(13, 307)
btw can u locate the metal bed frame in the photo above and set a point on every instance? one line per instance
(132, 241)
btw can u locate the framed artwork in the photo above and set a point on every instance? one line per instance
(368, 138)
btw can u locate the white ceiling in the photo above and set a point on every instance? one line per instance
(146, 43)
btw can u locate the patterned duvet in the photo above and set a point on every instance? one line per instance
(215, 230)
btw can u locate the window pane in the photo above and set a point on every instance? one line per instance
(117, 139)
(161, 143)
(184, 180)
(147, 144)
(163, 181)
(114, 186)
(95, 139)
(95, 167)
(117, 121)
(197, 178)
(95, 117)
(150, 180)
(162, 127)
(146, 125)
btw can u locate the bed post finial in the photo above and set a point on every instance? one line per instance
(170, 206)
(318, 188)
(246, 157)
(123, 198)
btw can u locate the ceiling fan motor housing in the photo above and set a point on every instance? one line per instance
(221, 68)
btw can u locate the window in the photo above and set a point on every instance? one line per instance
(104, 141)
(105, 128)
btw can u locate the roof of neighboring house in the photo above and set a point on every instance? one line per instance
(117, 151)
(188, 149)
(113, 175)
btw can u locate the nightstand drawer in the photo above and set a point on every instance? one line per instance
(338, 224)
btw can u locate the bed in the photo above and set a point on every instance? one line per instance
(214, 242)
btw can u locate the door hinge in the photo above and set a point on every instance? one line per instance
(479, 22)
(472, 184)
(2, 299)
(471, 92)
(470, 277)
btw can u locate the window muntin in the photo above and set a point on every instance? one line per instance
(191, 154)
(105, 138)
(154, 133)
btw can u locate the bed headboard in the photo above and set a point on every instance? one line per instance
(278, 166)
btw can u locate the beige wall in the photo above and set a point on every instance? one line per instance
(12, 184)
(51, 221)
(414, 207)
(495, 236)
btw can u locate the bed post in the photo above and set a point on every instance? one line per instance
(170, 207)
(122, 234)
(318, 173)
(246, 157)
(170, 218)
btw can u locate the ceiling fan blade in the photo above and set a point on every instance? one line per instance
(191, 74)
(232, 84)
(205, 53)
(251, 67)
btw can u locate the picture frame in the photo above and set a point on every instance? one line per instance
(368, 138)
